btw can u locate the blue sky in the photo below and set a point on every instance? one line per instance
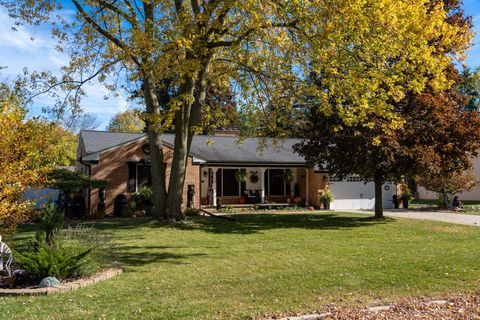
(18, 50)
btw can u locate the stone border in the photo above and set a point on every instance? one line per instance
(63, 287)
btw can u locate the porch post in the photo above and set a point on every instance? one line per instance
(214, 187)
(306, 187)
(262, 185)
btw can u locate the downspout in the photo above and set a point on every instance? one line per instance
(200, 183)
(89, 200)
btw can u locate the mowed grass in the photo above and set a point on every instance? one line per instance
(263, 264)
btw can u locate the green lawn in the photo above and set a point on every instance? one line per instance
(262, 264)
(469, 206)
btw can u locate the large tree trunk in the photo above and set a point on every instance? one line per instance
(156, 150)
(179, 164)
(378, 198)
(185, 122)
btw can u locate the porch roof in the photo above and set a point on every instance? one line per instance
(213, 150)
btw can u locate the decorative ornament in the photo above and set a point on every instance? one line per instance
(6, 257)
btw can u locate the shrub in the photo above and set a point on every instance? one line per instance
(144, 195)
(140, 203)
(44, 260)
(51, 221)
(73, 253)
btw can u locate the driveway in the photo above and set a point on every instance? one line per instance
(456, 218)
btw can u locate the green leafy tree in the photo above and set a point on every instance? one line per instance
(58, 145)
(470, 87)
(127, 121)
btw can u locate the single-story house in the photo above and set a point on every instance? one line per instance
(472, 195)
(273, 172)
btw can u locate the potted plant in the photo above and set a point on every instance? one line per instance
(406, 197)
(144, 199)
(326, 198)
(288, 175)
(240, 176)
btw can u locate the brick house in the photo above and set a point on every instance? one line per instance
(274, 172)
(120, 159)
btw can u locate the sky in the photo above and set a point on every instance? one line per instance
(34, 48)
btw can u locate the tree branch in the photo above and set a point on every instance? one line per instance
(228, 43)
(122, 45)
(118, 11)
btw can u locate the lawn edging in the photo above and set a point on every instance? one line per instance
(64, 287)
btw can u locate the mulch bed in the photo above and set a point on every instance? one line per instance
(466, 306)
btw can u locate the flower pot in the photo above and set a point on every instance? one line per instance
(326, 205)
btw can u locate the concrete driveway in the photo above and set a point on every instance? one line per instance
(443, 216)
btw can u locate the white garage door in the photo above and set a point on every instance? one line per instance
(352, 194)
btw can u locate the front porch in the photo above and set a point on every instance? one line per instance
(249, 186)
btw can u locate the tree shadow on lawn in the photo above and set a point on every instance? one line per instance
(142, 255)
(254, 223)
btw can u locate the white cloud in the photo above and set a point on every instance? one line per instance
(19, 51)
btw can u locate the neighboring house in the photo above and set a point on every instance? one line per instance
(472, 195)
(40, 197)
(123, 160)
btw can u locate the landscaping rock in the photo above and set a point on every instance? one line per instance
(49, 282)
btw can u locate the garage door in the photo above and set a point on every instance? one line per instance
(353, 194)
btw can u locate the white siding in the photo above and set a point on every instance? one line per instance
(474, 194)
(355, 195)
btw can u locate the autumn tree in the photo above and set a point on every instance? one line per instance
(57, 145)
(127, 121)
(446, 186)
(20, 160)
(264, 48)
(422, 128)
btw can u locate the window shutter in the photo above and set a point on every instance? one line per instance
(132, 176)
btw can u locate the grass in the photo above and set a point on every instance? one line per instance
(436, 202)
(263, 264)
(469, 206)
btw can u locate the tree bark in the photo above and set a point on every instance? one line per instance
(378, 198)
(179, 164)
(185, 122)
(156, 150)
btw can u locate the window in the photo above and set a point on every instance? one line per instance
(144, 175)
(231, 187)
(139, 175)
(334, 178)
(353, 179)
(276, 182)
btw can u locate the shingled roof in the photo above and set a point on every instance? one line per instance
(210, 149)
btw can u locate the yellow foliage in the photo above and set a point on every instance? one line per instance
(22, 159)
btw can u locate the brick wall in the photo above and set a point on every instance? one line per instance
(316, 184)
(113, 167)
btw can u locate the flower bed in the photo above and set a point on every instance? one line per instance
(63, 287)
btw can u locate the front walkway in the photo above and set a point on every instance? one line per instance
(450, 217)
